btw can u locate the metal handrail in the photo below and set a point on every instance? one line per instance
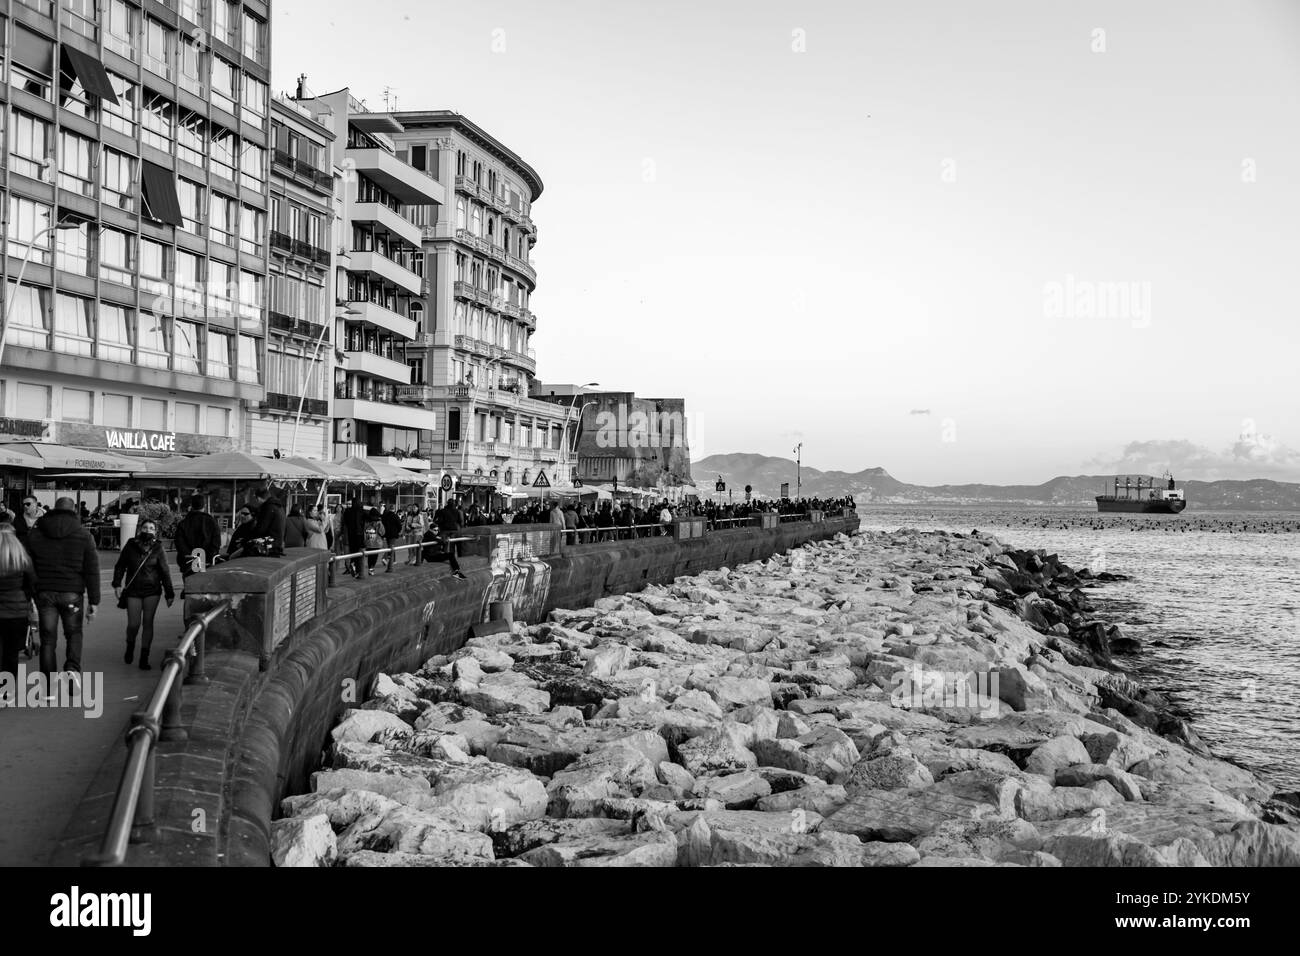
(132, 814)
(366, 552)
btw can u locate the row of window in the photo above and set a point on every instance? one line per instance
(299, 297)
(293, 370)
(483, 223)
(114, 333)
(488, 178)
(364, 288)
(298, 222)
(123, 32)
(117, 411)
(524, 432)
(31, 152)
(161, 270)
(486, 327)
(483, 275)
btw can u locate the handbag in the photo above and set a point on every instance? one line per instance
(121, 602)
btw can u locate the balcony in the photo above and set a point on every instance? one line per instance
(277, 402)
(388, 270)
(522, 267)
(377, 366)
(416, 394)
(404, 182)
(387, 413)
(281, 241)
(467, 186)
(441, 230)
(528, 318)
(392, 221)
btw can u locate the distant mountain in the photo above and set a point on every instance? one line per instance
(766, 474)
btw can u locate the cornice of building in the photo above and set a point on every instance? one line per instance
(446, 119)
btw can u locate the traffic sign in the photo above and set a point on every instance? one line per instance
(540, 481)
(446, 483)
(577, 482)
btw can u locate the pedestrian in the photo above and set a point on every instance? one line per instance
(244, 526)
(354, 533)
(67, 571)
(295, 528)
(414, 526)
(198, 539)
(374, 538)
(17, 595)
(26, 520)
(439, 546)
(571, 524)
(270, 521)
(140, 578)
(315, 524)
(392, 532)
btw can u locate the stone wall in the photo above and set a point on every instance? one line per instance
(257, 734)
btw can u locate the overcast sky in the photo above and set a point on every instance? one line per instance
(965, 241)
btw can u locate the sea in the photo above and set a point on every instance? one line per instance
(1213, 596)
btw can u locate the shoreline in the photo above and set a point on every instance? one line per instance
(745, 716)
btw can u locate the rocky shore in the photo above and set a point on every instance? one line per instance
(885, 699)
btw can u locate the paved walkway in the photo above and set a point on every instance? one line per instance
(48, 757)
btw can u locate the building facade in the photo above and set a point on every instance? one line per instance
(295, 416)
(472, 359)
(134, 185)
(382, 285)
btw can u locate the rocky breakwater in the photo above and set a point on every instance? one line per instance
(877, 700)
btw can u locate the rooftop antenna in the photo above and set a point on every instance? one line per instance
(302, 87)
(390, 93)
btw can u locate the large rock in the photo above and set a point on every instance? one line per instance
(363, 726)
(718, 751)
(732, 692)
(1255, 843)
(341, 807)
(612, 771)
(1061, 751)
(410, 830)
(303, 841)
(506, 693)
(820, 797)
(735, 836)
(1082, 775)
(896, 770)
(378, 782)
(904, 815)
(735, 791)
(609, 661)
(527, 836)
(652, 848)
(491, 795)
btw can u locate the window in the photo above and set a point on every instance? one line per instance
(120, 116)
(218, 358)
(223, 84)
(221, 285)
(28, 322)
(191, 137)
(254, 95)
(218, 421)
(190, 67)
(316, 231)
(157, 47)
(72, 249)
(28, 145)
(78, 405)
(185, 349)
(114, 340)
(252, 230)
(250, 296)
(460, 214)
(191, 9)
(419, 157)
(72, 94)
(27, 221)
(225, 20)
(115, 256)
(252, 161)
(189, 284)
(116, 174)
(151, 350)
(121, 21)
(314, 304)
(153, 275)
(72, 325)
(32, 62)
(190, 197)
(254, 37)
(187, 418)
(76, 166)
(117, 410)
(223, 152)
(156, 120)
(295, 221)
(34, 400)
(223, 220)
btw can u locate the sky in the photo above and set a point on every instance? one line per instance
(996, 241)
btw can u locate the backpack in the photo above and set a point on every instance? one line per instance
(374, 535)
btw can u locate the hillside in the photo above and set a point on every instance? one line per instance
(876, 485)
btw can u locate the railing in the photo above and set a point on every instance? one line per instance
(131, 819)
(365, 553)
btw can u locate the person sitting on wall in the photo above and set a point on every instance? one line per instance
(197, 531)
(270, 520)
(437, 540)
(244, 526)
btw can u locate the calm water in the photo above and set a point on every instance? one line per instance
(1215, 597)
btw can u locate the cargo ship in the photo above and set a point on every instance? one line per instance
(1143, 497)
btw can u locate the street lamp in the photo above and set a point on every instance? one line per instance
(798, 471)
(469, 422)
(18, 282)
(572, 447)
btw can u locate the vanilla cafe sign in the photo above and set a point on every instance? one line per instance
(140, 440)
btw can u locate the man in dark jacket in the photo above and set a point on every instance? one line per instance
(197, 531)
(392, 523)
(67, 569)
(269, 520)
(26, 518)
(448, 521)
(354, 533)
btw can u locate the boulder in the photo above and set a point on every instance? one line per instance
(1060, 751)
(612, 771)
(1084, 774)
(895, 770)
(495, 695)
(735, 791)
(303, 841)
(642, 849)
(363, 726)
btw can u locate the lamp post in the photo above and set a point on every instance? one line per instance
(18, 282)
(302, 399)
(464, 462)
(572, 446)
(798, 471)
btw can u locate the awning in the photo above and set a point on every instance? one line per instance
(230, 465)
(11, 458)
(385, 473)
(159, 188)
(65, 458)
(94, 78)
(333, 470)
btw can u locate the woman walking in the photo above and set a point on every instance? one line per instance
(295, 528)
(17, 592)
(143, 568)
(414, 527)
(315, 525)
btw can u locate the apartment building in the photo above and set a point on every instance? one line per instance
(472, 358)
(295, 418)
(134, 188)
(382, 284)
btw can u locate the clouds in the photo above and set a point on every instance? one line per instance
(1251, 456)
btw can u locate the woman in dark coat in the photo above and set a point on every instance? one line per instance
(141, 577)
(295, 529)
(17, 592)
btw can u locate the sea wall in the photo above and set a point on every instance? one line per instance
(294, 653)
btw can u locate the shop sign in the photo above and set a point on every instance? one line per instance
(25, 428)
(140, 440)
